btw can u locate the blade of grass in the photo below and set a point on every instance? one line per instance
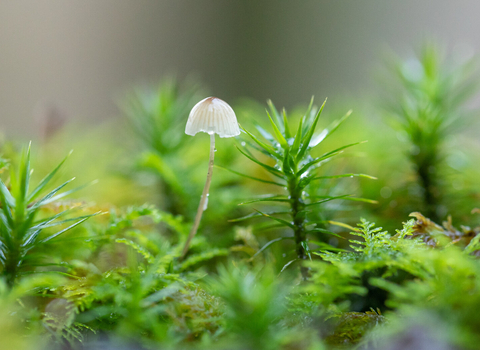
(329, 130)
(270, 169)
(345, 175)
(310, 132)
(284, 222)
(288, 134)
(66, 193)
(275, 113)
(46, 180)
(266, 147)
(256, 215)
(277, 132)
(267, 199)
(328, 199)
(50, 195)
(298, 138)
(287, 265)
(6, 197)
(68, 228)
(251, 177)
(326, 156)
(268, 245)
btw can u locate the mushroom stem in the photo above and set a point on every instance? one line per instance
(201, 206)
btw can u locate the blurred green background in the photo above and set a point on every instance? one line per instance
(78, 57)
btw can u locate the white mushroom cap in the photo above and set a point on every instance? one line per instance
(212, 115)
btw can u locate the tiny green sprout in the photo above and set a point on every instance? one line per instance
(213, 116)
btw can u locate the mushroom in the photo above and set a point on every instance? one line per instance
(213, 116)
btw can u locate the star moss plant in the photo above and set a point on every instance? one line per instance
(22, 229)
(294, 169)
(427, 98)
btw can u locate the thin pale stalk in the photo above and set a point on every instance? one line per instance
(201, 206)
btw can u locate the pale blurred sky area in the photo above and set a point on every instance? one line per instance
(80, 55)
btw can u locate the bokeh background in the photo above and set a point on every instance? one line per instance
(77, 58)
